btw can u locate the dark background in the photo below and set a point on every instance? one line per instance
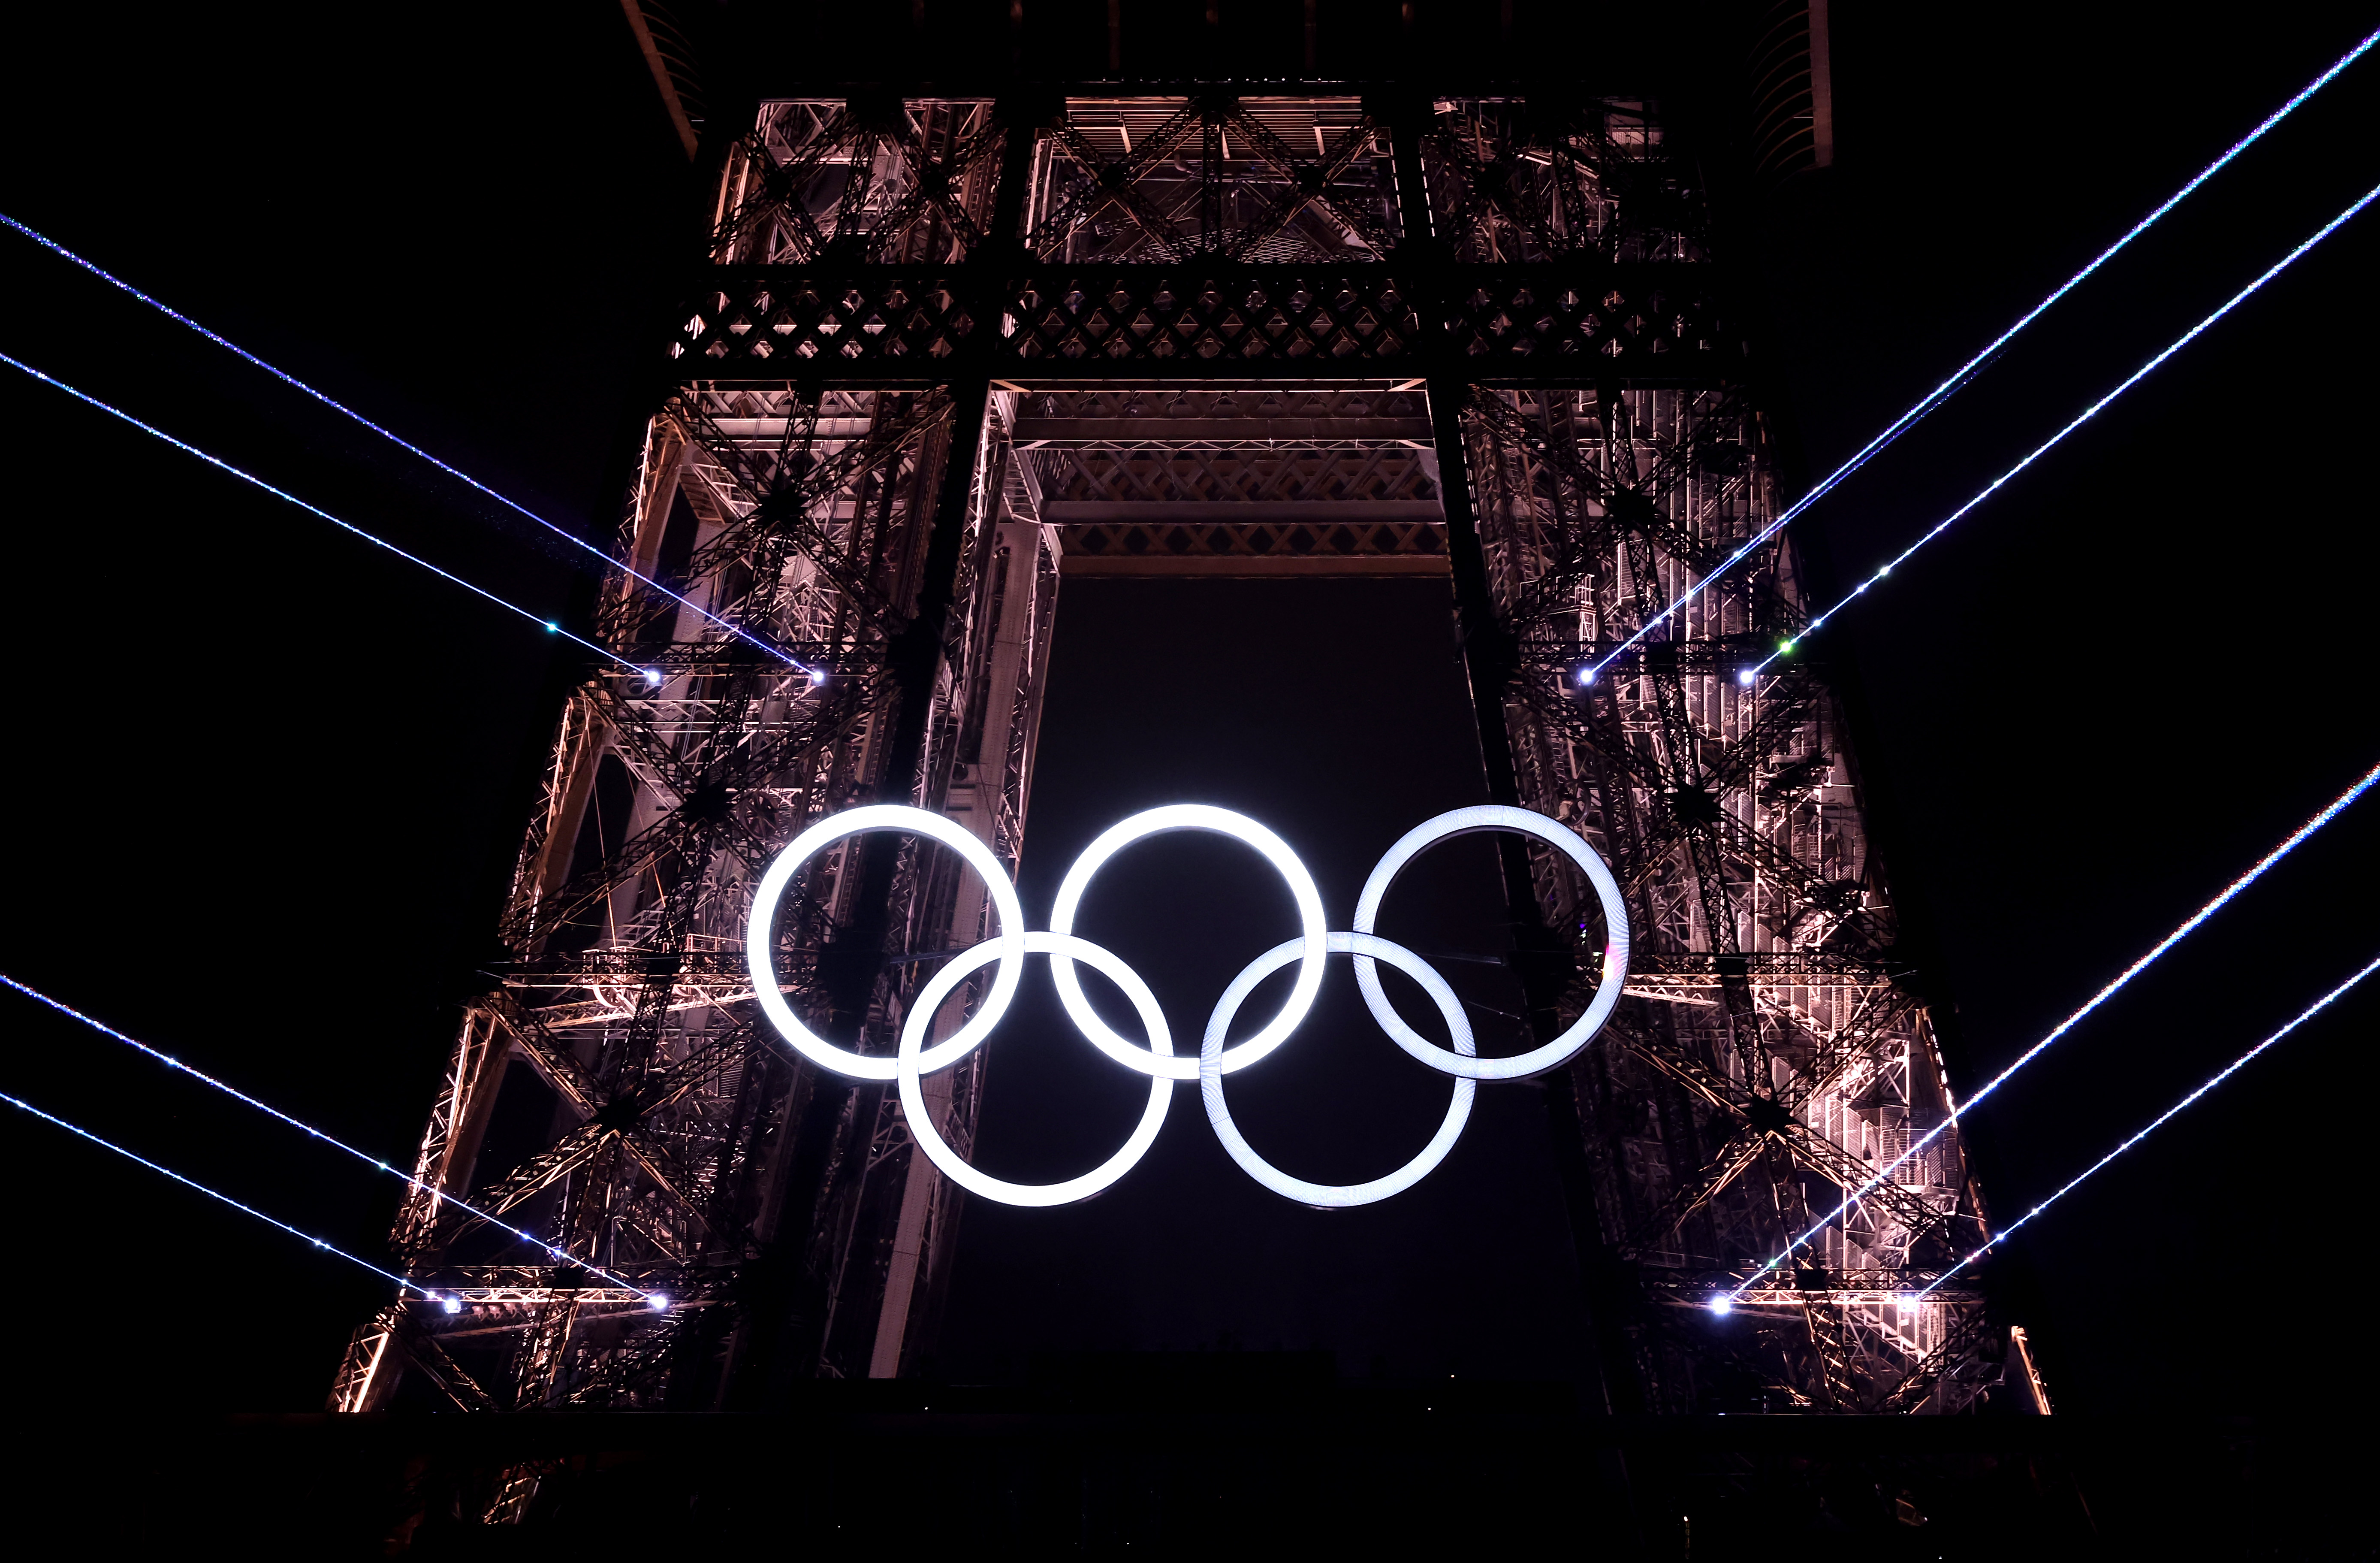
(267, 783)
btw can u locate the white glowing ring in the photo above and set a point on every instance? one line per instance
(1334, 1196)
(911, 1062)
(1239, 827)
(760, 936)
(1467, 821)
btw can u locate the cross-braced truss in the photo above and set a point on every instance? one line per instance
(1476, 336)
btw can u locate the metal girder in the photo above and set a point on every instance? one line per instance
(1480, 335)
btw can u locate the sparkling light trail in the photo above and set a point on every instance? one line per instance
(54, 248)
(1967, 371)
(334, 1142)
(193, 1183)
(2229, 1069)
(1787, 648)
(545, 624)
(2338, 806)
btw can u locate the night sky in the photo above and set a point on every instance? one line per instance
(267, 784)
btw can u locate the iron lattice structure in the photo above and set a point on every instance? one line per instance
(950, 350)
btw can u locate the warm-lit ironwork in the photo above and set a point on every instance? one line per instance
(951, 348)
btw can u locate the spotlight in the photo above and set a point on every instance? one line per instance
(1722, 1305)
(1744, 677)
(654, 678)
(1585, 677)
(552, 627)
(818, 676)
(452, 1304)
(659, 1302)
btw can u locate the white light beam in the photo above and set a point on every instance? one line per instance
(2084, 416)
(2233, 1068)
(1965, 372)
(2337, 807)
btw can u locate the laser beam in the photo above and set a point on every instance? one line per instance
(336, 1144)
(2233, 1068)
(2185, 339)
(54, 248)
(214, 1194)
(1965, 372)
(544, 623)
(2338, 806)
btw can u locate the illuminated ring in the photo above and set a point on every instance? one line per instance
(1334, 1196)
(1468, 821)
(760, 936)
(1239, 827)
(910, 1064)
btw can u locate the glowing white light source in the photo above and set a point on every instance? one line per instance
(1966, 371)
(1333, 1196)
(760, 936)
(1722, 1305)
(1239, 827)
(2242, 1062)
(658, 1303)
(653, 676)
(1585, 676)
(818, 676)
(389, 435)
(437, 1195)
(1746, 676)
(911, 1062)
(1468, 821)
(2336, 806)
(452, 1304)
(2185, 339)
(553, 626)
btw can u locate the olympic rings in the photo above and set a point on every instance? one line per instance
(1239, 827)
(760, 936)
(1335, 1196)
(1470, 821)
(911, 1060)
(914, 1059)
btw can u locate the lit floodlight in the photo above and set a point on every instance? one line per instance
(653, 676)
(657, 1302)
(1722, 1305)
(452, 1304)
(2142, 372)
(1469, 821)
(2224, 897)
(913, 1056)
(1745, 678)
(818, 676)
(1585, 677)
(1334, 1196)
(1239, 827)
(760, 936)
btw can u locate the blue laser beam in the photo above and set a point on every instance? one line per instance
(1966, 371)
(2233, 1068)
(544, 623)
(333, 1141)
(54, 246)
(79, 1132)
(1787, 648)
(2336, 806)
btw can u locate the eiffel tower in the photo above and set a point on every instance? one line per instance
(1087, 290)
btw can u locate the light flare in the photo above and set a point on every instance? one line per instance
(2083, 417)
(2233, 1068)
(1959, 1110)
(267, 1108)
(1967, 371)
(54, 248)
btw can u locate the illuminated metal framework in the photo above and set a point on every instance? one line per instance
(951, 350)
